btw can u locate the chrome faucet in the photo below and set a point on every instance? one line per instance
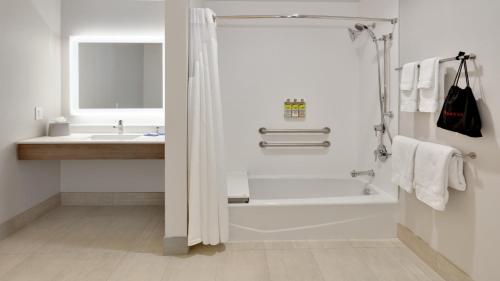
(120, 127)
(355, 173)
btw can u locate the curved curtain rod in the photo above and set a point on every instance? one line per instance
(298, 16)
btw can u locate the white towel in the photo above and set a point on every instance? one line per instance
(432, 173)
(403, 160)
(456, 178)
(429, 82)
(408, 87)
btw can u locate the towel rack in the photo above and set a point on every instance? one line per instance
(265, 144)
(460, 56)
(471, 155)
(325, 130)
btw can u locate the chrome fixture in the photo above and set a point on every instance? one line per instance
(380, 128)
(471, 155)
(324, 130)
(298, 16)
(355, 173)
(470, 56)
(359, 28)
(120, 127)
(265, 144)
(381, 153)
(387, 43)
(367, 191)
(383, 85)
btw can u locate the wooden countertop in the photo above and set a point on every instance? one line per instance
(83, 147)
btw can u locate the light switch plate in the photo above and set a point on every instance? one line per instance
(38, 113)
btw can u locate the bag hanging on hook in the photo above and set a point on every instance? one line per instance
(460, 112)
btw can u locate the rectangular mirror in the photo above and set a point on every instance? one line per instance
(115, 75)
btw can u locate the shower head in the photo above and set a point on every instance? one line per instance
(353, 33)
(358, 29)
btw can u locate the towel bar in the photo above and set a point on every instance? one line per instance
(460, 57)
(265, 144)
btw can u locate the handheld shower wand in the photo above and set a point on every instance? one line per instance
(382, 128)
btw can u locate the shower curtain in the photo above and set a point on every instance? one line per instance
(207, 193)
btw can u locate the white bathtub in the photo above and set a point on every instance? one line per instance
(286, 208)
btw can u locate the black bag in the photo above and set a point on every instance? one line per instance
(460, 113)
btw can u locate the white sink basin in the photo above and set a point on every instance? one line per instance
(114, 137)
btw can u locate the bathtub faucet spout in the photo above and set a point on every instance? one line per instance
(355, 173)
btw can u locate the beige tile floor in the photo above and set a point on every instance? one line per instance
(125, 243)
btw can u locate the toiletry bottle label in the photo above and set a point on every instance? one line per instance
(302, 109)
(295, 109)
(288, 109)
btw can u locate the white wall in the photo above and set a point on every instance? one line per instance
(264, 62)
(468, 232)
(176, 76)
(30, 76)
(115, 18)
(113, 176)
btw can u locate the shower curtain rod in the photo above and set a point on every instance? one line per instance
(299, 16)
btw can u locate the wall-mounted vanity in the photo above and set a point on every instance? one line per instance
(110, 78)
(92, 146)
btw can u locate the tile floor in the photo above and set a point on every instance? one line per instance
(125, 243)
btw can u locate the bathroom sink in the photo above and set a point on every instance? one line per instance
(114, 137)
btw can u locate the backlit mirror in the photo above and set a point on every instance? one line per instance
(116, 75)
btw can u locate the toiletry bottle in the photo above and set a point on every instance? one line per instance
(295, 109)
(302, 109)
(288, 109)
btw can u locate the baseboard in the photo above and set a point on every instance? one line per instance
(445, 268)
(23, 219)
(175, 246)
(113, 198)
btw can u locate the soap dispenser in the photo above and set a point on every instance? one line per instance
(288, 109)
(295, 109)
(302, 109)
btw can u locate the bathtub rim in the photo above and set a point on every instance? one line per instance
(381, 197)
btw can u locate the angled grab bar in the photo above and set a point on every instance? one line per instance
(265, 144)
(325, 130)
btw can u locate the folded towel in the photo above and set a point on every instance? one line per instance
(432, 173)
(403, 160)
(408, 87)
(408, 76)
(456, 178)
(429, 83)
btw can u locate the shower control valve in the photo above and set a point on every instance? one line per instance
(379, 128)
(381, 153)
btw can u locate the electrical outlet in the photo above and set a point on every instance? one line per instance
(38, 113)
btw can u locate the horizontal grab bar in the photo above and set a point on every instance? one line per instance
(265, 144)
(471, 155)
(324, 130)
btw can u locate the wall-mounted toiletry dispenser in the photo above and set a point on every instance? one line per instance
(295, 109)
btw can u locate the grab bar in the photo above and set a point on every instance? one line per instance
(471, 155)
(265, 144)
(324, 130)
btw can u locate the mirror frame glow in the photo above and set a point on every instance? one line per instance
(74, 85)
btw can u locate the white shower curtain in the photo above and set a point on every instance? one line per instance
(207, 193)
